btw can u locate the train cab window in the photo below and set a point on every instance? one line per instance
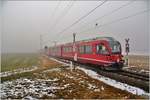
(101, 49)
(88, 49)
(115, 47)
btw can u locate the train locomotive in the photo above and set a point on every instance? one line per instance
(104, 52)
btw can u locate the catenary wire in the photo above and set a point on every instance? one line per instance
(64, 13)
(79, 19)
(107, 14)
(118, 20)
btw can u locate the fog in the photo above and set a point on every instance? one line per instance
(22, 23)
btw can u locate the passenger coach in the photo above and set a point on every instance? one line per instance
(104, 52)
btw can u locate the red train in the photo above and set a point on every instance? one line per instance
(103, 51)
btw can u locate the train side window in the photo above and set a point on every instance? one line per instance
(101, 49)
(88, 49)
(81, 49)
(67, 49)
(70, 49)
(64, 49)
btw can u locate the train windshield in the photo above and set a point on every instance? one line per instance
(115, 47)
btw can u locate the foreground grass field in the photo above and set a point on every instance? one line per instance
(14, 61)
(52, 80)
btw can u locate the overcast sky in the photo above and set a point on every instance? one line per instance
(23, 21)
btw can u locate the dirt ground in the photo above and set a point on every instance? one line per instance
(68, 84)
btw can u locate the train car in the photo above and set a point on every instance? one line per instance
(55, 51)
(104, 52)
(67, 51)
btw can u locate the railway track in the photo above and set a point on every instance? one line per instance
(135, 75)
(128, 77)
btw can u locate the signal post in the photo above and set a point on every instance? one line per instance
(127, 50)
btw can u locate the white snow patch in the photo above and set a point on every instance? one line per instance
(81, 82)
(66, 85)
(59, 61)
(71, 77)
(93, 87)
(67, 76)
(53, 69)
(97, 90)
(114, 83)
(147, 71)
(20, 70)
(49, 80)
(90, 86)
(129, 67)
(28, 97)
(29, 88)
(102, 88)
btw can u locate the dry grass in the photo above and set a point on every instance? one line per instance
(11, 62)
(139, 61)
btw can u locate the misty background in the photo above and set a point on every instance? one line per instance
(22, 23)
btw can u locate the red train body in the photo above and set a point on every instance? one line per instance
(104, 51)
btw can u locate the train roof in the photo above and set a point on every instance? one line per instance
(93, 39)
(98, 38)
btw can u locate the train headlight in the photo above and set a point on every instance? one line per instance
(118, 60)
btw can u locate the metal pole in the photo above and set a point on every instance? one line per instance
(74, 38)
(74, 49)
(40, 44)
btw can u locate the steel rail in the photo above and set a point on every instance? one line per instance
(135, 75)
